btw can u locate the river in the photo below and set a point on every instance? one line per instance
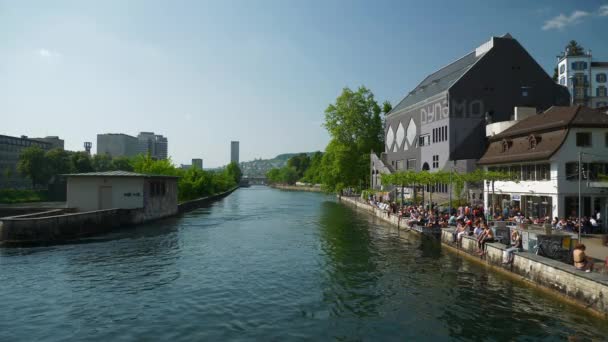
(264, 264)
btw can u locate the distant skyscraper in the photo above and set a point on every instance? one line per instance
(234, 152)
(197, 163)
(154, 145)
(117, 144)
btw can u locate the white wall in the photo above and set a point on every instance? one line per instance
(569, 153)
(83, 192)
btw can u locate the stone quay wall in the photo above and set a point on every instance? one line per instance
(589, 290)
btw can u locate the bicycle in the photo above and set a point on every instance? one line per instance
(553, 251)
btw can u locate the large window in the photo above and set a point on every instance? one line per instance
(400, 165)
(435, 161)
(411, 164)
(579, 65)
(601, 78)
(543, 172)
(527, 172)
(583, 139)
(562, 68)
(572, 171)
(424, 140)
(600, 91)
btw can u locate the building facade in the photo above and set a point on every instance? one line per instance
(542, 153)
(234, 152)
(586, 79)
(54, 141)
(440, 124)
(153, 144)
(117, 144)
(154, 196)
(10, 150)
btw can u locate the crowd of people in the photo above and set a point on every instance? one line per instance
(472, 221)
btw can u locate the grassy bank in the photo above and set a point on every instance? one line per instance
(10, 196)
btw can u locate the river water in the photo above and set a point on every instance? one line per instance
(264, 264)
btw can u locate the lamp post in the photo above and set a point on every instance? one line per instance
(580, 203)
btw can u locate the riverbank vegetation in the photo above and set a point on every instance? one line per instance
(43, 167)
(11, 196)
(356, 127)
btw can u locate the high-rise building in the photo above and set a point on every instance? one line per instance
(234, 152)
(53, 140)
(117, 144)
(10, 150)
(586, 79)
(197, 163)
(153, 144)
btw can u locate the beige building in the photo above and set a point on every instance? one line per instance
(149, 197)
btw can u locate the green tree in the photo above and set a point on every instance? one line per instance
(386, 107)
(300, 162)
(574, 49)
(147, 165)
(81, 162)
(273, 176)
(122, 164)
(313, 172)
(288, 175)
(32, 164)
(555, 75)
(234, 172)
(102, 162)
(356, 128)
(58, 162)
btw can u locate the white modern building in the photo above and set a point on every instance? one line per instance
(586, 79)
(542, 152)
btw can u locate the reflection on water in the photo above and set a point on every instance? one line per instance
(269, 265)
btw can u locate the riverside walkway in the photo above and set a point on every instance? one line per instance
(588, 290)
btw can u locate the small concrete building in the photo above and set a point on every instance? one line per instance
(147, 196)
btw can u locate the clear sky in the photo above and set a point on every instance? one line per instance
(261, 72)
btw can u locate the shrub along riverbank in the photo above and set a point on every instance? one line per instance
(41, 167)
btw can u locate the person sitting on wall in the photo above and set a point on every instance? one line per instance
(464, 231)
(516, 246)
(581, 261)
(459, 228)
(485, 237)
(478, 229)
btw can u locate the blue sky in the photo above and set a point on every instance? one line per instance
(262, 72)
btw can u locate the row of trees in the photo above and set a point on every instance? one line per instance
(41, 167)
(429, 179)
(302, 167)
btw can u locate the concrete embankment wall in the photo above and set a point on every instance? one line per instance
(31, 230)
(59, 225)
(296, 188)
(589, 290)
(199, 202)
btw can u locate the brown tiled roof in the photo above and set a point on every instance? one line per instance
(519, 148)
(550, 130)
(554, 118)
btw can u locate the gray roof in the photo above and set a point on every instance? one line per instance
(439, 81)
(115, 174)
